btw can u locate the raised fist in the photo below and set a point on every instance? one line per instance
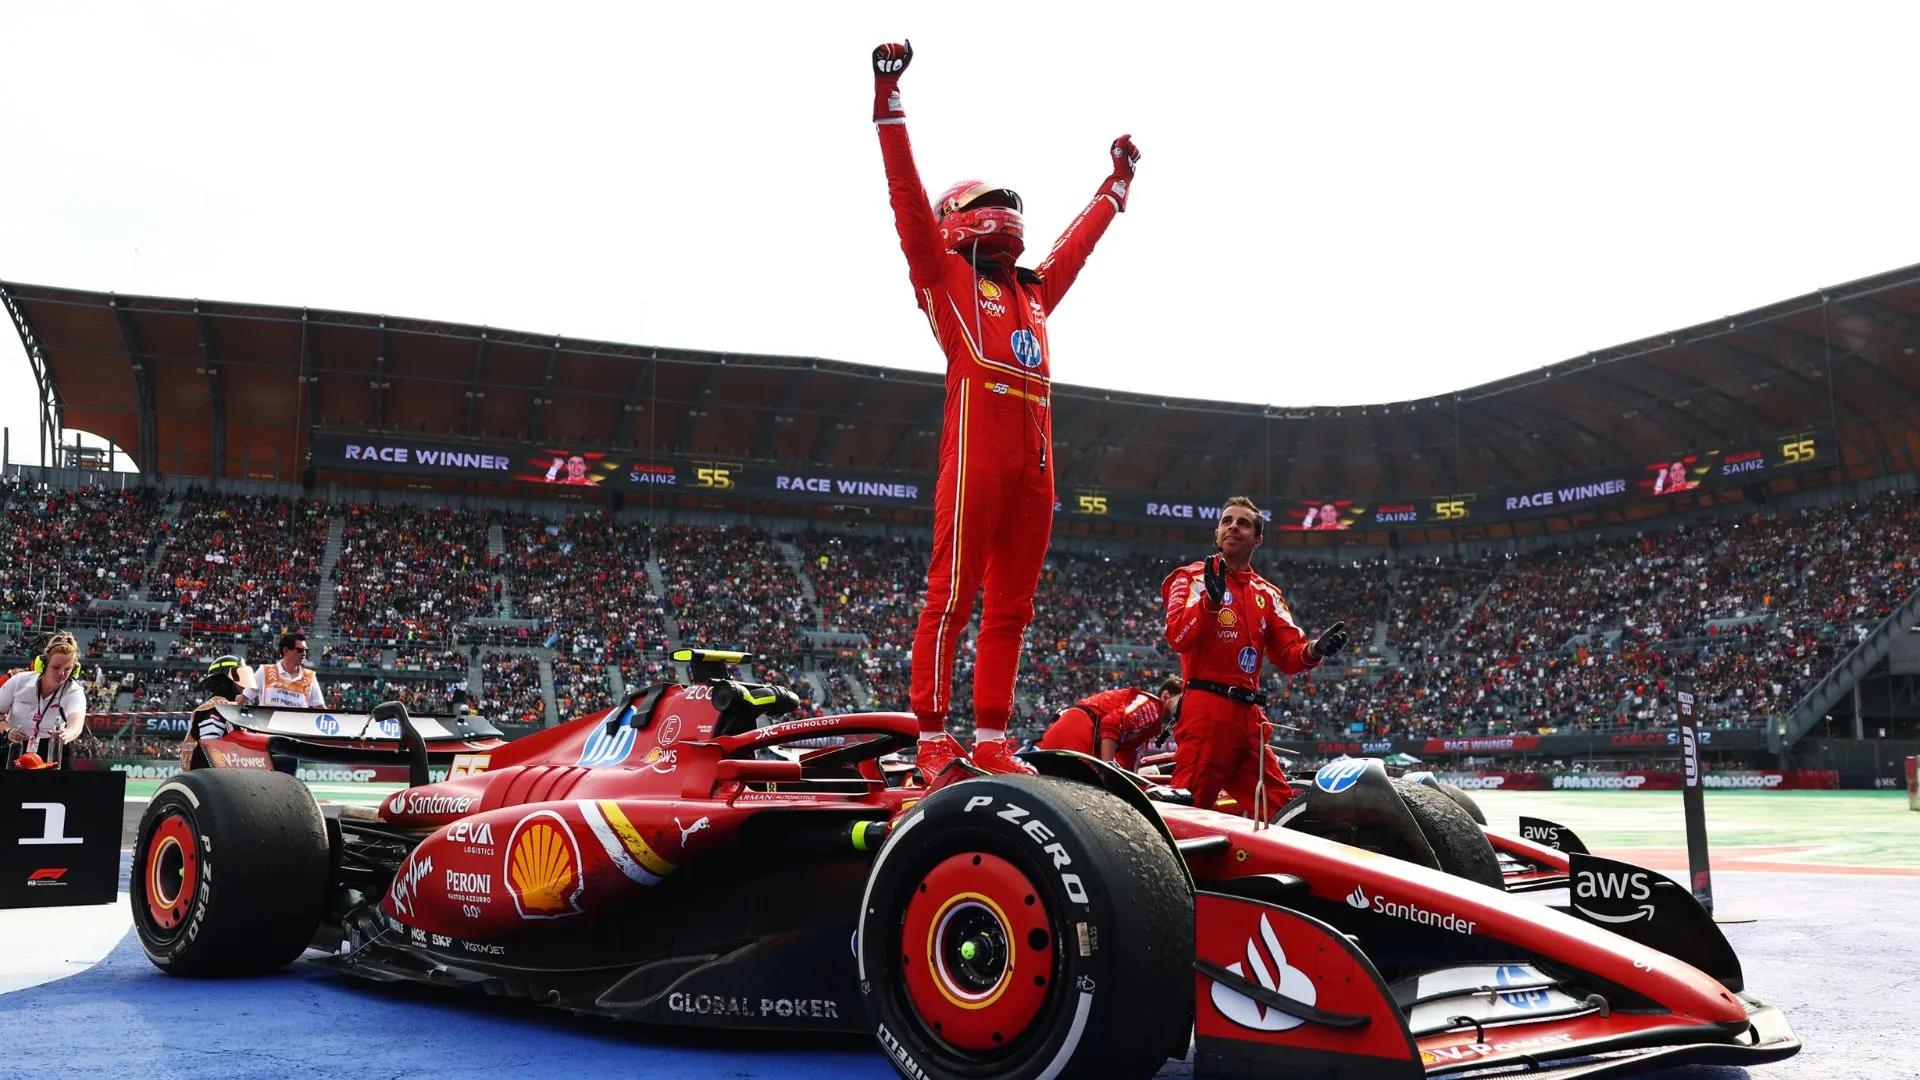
(1125, 157)
(891, 59)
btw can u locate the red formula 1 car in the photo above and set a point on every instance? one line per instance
(660, 862)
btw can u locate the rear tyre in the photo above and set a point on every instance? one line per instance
(1465, 800)
(230, 873)
(1020, 926)
(1456, 840)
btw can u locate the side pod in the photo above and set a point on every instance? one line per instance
(1279, 995)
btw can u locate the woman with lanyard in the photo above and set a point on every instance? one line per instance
(44, 702)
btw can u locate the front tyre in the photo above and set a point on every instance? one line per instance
(1458, 842)
(230, 872)
(1466, 802)
(1019, 926)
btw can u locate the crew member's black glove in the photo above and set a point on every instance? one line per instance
(1332, 640)
(1216, 580)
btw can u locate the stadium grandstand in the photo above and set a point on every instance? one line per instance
(534, 522)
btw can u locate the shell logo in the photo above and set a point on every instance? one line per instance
(1227, 617)
(543, 867)
(989, 290)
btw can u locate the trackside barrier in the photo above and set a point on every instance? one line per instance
(1646, 780)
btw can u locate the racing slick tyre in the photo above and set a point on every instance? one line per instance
(230, 872)
(1462, 848)
(1021, 926)
(1465, 800)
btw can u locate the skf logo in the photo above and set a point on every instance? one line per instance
(543, 867)
(50, 875)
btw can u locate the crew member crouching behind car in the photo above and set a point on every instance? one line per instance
(228, 678)
(1222, 618)
(288, 684)
(45, 703)
(1114, 725)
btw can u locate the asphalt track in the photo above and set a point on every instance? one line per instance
(1835, 942)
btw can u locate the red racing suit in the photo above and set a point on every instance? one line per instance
(1127, 716)
(993, 502)
(1219, 738)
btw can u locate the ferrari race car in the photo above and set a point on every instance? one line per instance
(674, 861)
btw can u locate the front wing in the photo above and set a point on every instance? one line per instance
(1281, 994)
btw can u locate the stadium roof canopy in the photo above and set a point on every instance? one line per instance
(215, 388)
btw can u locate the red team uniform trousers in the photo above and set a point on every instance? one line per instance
(1219, 740)
(993, 502)
(1127, 716)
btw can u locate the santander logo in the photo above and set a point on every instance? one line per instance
(1358, 898)
(1279, 976)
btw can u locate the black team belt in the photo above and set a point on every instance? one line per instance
(1238, 694)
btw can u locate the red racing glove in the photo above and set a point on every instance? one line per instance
(1126, 157)
(889, 61)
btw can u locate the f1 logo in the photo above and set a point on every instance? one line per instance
(49, 873)
(55, 831)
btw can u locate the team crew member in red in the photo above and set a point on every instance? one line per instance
(1124, 721)
(993, 503)
(1222, 618)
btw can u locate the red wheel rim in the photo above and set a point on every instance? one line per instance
(173, 871)
(977, 951)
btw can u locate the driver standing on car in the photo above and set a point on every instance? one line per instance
(1222, 618)
(289, 683)
(993, 509)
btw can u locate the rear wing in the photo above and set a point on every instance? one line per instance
(442, 734)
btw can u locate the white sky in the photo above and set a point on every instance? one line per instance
(1338, 203)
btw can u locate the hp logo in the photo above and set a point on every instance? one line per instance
(1339, 776)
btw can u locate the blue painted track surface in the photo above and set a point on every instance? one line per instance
(1839, 953)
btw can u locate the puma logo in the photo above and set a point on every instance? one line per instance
(689, 830)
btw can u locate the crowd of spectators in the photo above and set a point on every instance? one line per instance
(343, 653)
(1753, 608)
(871, 585)
(119, 646)
(67, 550)
(240, 565)
(579, 686)
(733, 588)
(510, 686)
(584, 580)
(411, 574)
